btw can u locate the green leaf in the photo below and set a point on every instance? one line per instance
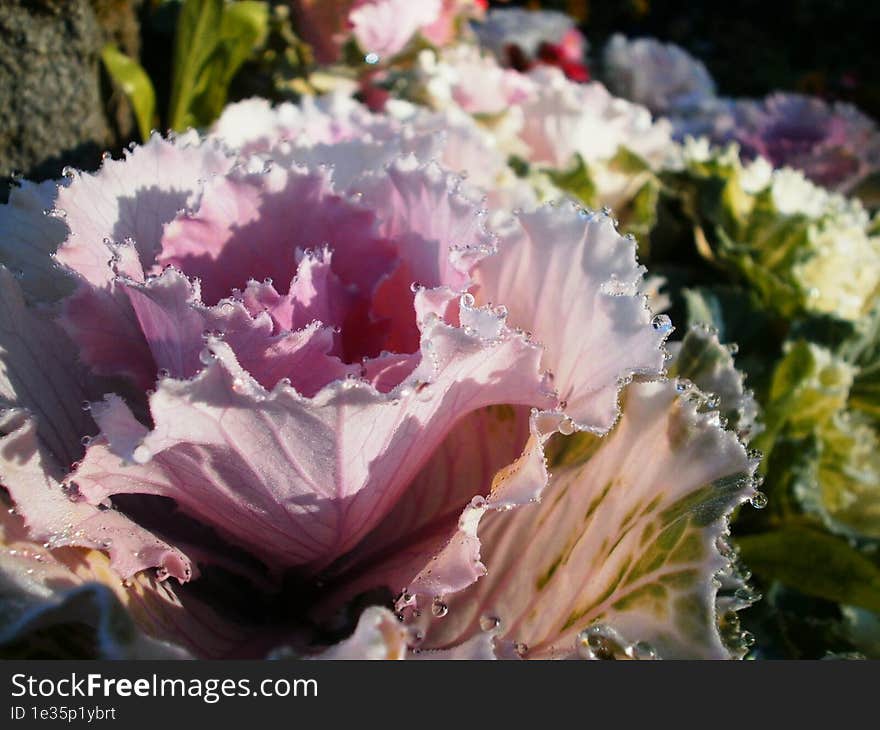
(810, 385)
(577, 181)
(868, 190)
(213, 40)
(639, 215)
(198, 28)
(865, 394)
(814, 563)
(628, 162)
(135, 84)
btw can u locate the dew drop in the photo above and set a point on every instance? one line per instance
(206, 356)
(567, 427)
(747, 595)
(662, 323)
(520, 648)
(439, 608)
(141, 455)
(758, 500)
(489, 623)
(641, 650)
(600, 642)
(372, 58)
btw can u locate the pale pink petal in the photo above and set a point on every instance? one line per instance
(254, 125)
(303, 358)
(572, 280)
(29, 236)
(316, 293)
(34, 483)
(389, 370)
(175, 323)
(70, 585)
(39, 371)
(133, 198)
(252, 226)
(384, 27)
(469, 149)
(623, 542)
(170, 323)
(301, 481)
(562, 118)
(71, 588)
(105, 329)
(427, 547)
(379, 635)
(437, 229)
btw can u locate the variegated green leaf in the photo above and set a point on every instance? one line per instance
(814, 563)
(577, 181)
(136, 86)
(624, 545)
(846, 490)
(703, 360)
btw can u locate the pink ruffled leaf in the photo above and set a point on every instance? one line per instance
(29, 236)
(315, 294)
(39, 371)
(34, 483)
(572, 280)
(300, 481)
(437, 229)
(42, 588)
(427, 547)
(141, 617)
(623, 544)
(175, 323)
(133, 199)
(105, 329)
(254, 225)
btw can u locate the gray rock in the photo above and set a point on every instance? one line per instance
(52, 112)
